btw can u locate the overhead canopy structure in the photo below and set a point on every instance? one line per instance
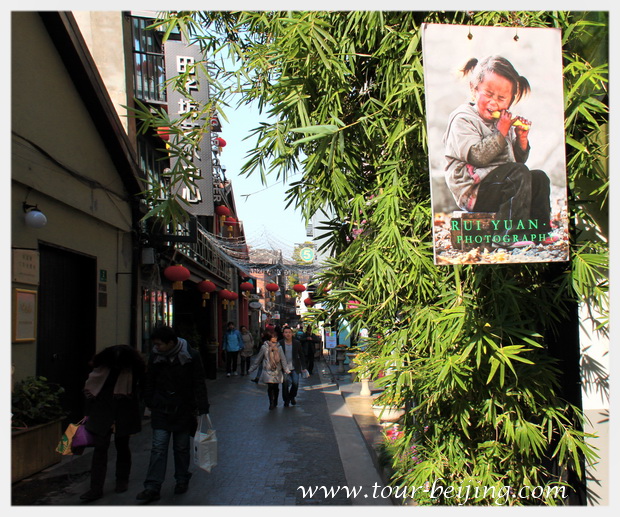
(235, 251)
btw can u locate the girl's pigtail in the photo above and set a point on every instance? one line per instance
(523, 88)
(469, 66)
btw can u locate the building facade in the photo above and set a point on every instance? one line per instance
(95, 274)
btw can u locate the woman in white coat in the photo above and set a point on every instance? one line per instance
(274, 367)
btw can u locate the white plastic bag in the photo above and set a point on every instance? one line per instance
(205, 444)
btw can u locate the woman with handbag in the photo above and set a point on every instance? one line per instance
(273, 361)
(112, 406)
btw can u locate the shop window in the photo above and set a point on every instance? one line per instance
(157, 310)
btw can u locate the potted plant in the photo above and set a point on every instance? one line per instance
(387, 411)
(36, 425)
(361, 370)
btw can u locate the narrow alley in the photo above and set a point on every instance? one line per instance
(265, 458)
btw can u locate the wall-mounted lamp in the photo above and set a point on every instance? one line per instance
(34, 217)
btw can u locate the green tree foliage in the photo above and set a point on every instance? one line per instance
(465, 348)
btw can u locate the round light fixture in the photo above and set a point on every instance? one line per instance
(34, 217)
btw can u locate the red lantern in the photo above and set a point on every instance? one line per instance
(232, 297)
(229, 222)
(222, 210)
(272, 288)
(163, 133)
(246, 287)
(177, 275)
(220, 142)
(224, 294)
(309, 302)
(299, 288)
(206, 287)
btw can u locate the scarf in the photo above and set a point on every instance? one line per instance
(179, 351)
(274, 356)
(99, 375)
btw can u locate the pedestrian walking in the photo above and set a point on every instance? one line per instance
(297, 365)
(265, 338)
(271, 358)
(248, 350)
(175, 391)
(232, 345)
(112, 406)
(309, 342)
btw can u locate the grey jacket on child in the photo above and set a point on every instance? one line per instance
(474, 148)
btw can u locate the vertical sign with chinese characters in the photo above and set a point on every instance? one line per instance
(179, 58)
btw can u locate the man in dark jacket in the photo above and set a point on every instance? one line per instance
(297, 364)
(176, 392)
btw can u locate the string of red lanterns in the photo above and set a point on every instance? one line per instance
(227, 297)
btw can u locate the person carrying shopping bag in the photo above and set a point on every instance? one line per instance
(112, 407)
(175, 390)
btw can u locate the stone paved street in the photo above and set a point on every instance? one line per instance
(264, 456)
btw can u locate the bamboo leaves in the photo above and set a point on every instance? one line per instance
(466, 348)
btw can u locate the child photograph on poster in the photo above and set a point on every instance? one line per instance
(494, 100)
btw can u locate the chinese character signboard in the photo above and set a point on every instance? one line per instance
(494, 100)
(26, 266)
(179, 58)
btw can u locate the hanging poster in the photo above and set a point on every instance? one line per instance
(331, 339)
(494, 101)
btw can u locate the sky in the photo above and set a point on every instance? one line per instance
(260, 207)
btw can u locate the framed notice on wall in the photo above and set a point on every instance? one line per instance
(24, 315)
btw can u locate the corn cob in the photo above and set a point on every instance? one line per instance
(496, 114)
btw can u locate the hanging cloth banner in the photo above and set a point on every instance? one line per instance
(495, 115)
